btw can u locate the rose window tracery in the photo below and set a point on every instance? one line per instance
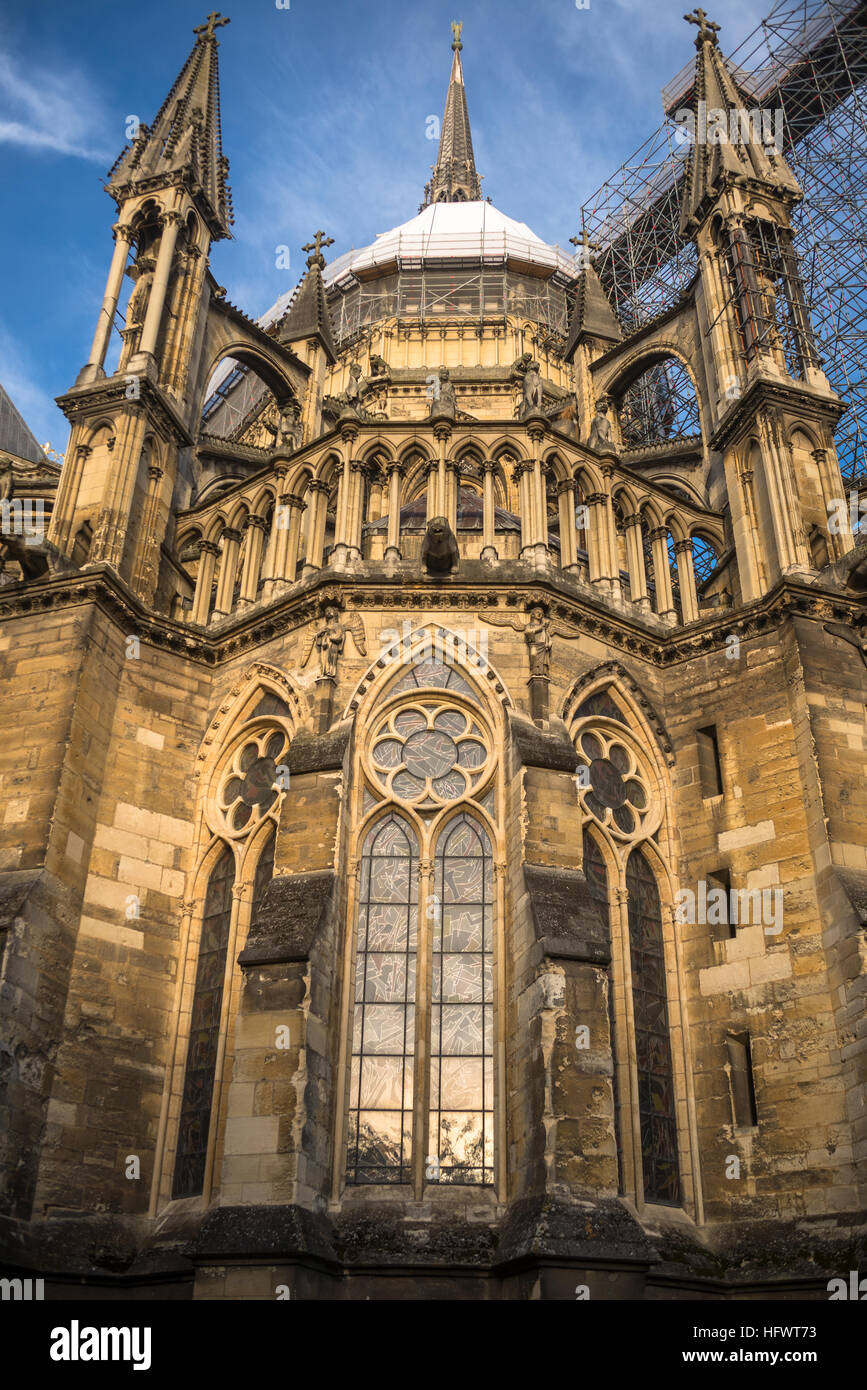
(613, 783)
(249, 783)
(429, 754)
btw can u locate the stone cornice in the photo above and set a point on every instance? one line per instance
(765, 392)
(110, 393)
(241, 633)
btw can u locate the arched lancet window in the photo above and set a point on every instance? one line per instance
(383, 1025)
(462, 1007)
(192, 1149)
(428, 748)
(656, 1101)
(596, 875)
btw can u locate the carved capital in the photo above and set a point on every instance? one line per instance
(659, 533)
(230, 534)
(683, 547)
(209, 548)
(123, 231)
(256, 523)
(154, 472)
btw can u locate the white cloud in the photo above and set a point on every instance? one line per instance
(36, 406)
(52, 110)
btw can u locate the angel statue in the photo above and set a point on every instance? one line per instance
(538, 630)
(330, 639)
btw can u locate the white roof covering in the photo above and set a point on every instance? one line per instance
(446, 231)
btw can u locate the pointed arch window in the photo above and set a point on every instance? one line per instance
(192, 1149)
(383, 1029)
(462, 1007)
(596, 875)
(656, 1101)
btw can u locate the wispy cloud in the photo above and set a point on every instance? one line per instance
(20, 377)
(55, 111)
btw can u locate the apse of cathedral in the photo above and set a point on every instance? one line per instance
(435, 830)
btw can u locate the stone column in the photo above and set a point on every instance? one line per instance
(395, 473)
(521, 476)
(489, 534)
(610, 550)
(839, 542)
(453, 484)
(318, 516)
(538, 511)
(568, 537)
(597, 538)
(123, 239)
(442, 434)
(662, 575)
(255, 531)
(208, 553)
(635, 559)
(686, 575)
(156, 303)
(228, 570)
(146, 572)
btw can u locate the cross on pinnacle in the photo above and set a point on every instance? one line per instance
(586, 246)
(215, 21)
(315, 246)
(707, 30)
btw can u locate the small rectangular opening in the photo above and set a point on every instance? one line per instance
(718, 910)
(709, 769)
(741, 1080)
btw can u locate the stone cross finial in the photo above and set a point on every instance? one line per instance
(586, 246)
(707, 30)
(315, 247)
(457, 26)
(215, 21)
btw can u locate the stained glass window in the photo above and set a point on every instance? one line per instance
(204, 1031)
(461, 1138)
(383, 1024)
(427, 670)
(602, 704)
(250, 781)
(596, 875)
(656, 1102)
(429, 754)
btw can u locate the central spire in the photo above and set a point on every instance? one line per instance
(454, 178)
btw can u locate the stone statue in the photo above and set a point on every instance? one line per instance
(284, 435)
(538, 630)
(601, 437)
(378, 365)
(439, 549)
(350, 399)
(537, 635)
(520, 364)
(7, 479)
(444, 400)
(330, 640)
(531, 395)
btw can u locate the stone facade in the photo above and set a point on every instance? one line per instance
(206, 683)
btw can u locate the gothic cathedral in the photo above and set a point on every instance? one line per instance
(434, 839)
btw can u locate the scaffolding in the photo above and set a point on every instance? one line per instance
(807, 59)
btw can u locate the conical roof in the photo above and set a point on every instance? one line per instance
(185, 139)
(454, 178)
(592, 315)
(308, 315)
(727, 147)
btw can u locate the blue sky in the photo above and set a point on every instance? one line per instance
(324, 113)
